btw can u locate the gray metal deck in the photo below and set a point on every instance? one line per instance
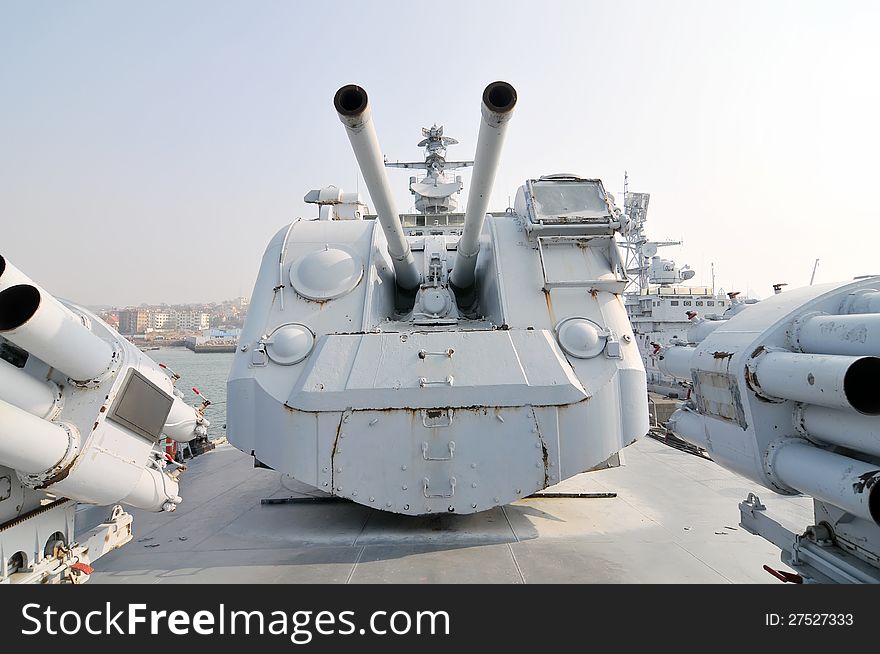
(675, 520)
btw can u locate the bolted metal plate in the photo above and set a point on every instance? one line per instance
(472, 460)
(400, 371)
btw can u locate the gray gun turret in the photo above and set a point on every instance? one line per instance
(438, 361)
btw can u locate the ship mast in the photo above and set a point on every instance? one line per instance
(436, 192)
(639, 249)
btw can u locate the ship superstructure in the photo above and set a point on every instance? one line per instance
(661, 307)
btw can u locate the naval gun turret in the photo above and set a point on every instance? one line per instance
(440, 361)
(83, 418)
(785, 393)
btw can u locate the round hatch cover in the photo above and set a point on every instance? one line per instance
(326, 274)
(289, 344)
(581, 337)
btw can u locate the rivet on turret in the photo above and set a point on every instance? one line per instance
(403, 467)
(473, 506)
(372, 499)
(354, 494)
(404, 487)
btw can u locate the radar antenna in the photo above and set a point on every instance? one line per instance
(437, 191)
(639, 250)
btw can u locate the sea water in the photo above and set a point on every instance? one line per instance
(205, 371)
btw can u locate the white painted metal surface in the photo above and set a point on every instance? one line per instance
(30, 444)
(855, 334)
(839, 427)
(833, 478)
(834, 381)
(38, 397)
(676, 361)
(35, 321)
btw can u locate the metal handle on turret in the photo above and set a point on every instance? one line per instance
(353, 107)
(499, 99)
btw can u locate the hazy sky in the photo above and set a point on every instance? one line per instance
(148, 151)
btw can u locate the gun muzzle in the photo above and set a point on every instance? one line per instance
(353, 107)
(35, 321)
(499, 99)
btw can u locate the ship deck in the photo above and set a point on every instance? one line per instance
(675, 519)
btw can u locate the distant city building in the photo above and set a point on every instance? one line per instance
(191, 320)
(133, 321)
(159, 320)
(179, 318)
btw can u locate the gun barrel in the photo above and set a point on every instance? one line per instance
(35, 321)
(353, 107)
(677, 361)
(836, 382)
(30, 444)
(39, 397)
(855, 334)
(499, 99)
(10, 275)
(839, 480)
